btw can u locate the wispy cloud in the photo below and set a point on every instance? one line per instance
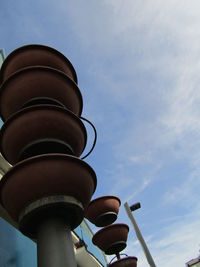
(179, 243)
(140, 159)
(139, 66)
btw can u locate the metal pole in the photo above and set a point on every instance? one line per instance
(54, 244)
(2, 54)
(139, 236)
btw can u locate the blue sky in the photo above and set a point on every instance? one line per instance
(138, 67)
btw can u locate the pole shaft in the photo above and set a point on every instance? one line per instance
(54, 244)
(139, 236)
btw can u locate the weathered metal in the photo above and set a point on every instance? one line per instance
(103, 211)
(36, 55)
(54, 243)
(42, 129)
(125, 262)
(112, 239)
(66, 207)
(46, 175)
(48, 190)
(38, 82)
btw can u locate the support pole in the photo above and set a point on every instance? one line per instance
(54, 244)
(139, 236)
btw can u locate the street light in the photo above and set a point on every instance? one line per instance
(137, 231)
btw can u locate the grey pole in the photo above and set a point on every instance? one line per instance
(2, 53)
(139, 236)
(54, 244)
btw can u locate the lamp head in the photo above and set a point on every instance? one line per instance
(135, 206)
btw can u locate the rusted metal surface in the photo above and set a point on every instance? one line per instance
(103, 211)
(67, 207)
(36, 55)
(47, 189)
(35, 82)
(112, 239)
(46, 175)
(125, 262)
(40, 124)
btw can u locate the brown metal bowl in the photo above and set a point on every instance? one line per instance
(125, 262)
(37, 125)
(103, 211)
(111, 239)
(38, 82)
(36, 55)
(46, 175)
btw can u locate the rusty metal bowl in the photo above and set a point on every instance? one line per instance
(42, 129)
(103, 211)
(39, 82)
(125, 262)
(43, 176)
(36, 55)
(111, 239)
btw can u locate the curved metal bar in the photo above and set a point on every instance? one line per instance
(117, 255)
(95, 136)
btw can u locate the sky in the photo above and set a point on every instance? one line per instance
(138, 67)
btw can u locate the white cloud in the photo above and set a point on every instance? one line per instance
(144, 56)
(144, 158)
(170, 46)
(186, 192)
(179, 243)
(143, 60)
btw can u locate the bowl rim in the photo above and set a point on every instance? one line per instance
(24, 111)
(37, 46)
(40, 158)
(92, 202)
(104, 229)
(123, 259)
(44, 69)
